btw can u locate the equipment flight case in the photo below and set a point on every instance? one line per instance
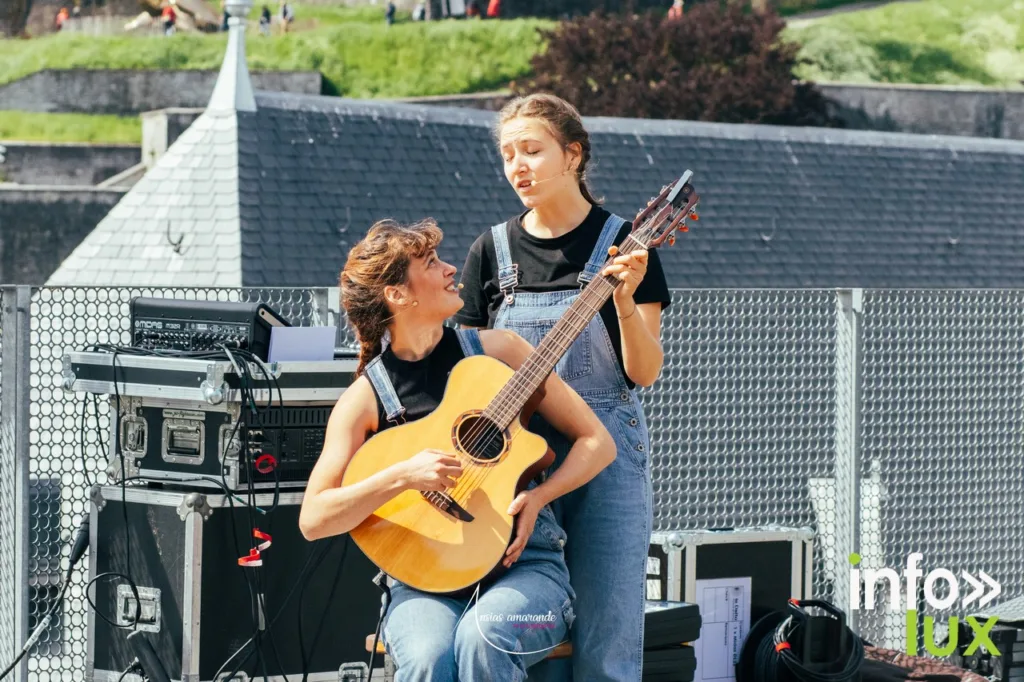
(186, 420)
(195, 606)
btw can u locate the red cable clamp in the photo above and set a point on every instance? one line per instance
(260, 535)
(266, 463)
(254, 559)
(782, 645)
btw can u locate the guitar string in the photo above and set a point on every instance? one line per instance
(562, 331)
(650, 224)
(484, 426)
(498, 412)
(558, 334)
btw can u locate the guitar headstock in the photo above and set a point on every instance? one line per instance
(667, 213)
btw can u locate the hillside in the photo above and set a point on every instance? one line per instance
(946, 42)
(359, 58)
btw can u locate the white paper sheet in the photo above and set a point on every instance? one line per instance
(725, 621)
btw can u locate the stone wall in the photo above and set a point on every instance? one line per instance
(929, 110)
(40, 226)
(127, 92)
(43, 163)
(933, 110)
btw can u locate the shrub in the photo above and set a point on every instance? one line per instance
(727, 65)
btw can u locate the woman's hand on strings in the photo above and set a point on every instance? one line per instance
(628, 268)
(525, 508)
(431, 470)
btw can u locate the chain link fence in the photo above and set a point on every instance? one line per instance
(942, 442)
(888, 422)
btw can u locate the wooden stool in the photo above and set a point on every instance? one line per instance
(563, 650)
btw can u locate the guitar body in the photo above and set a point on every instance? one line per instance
(444, 544)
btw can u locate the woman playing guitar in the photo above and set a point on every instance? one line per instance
(395, 286)
(522, 276)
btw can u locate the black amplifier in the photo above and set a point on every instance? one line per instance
(171, 324)
(226, 446)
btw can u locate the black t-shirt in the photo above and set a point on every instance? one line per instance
(420, 383)
(550, 265)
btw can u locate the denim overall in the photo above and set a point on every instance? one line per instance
(513, 624)
(609, 520)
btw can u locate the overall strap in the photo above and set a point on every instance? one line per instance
(600, 255)
(508, 272)
(378, 376)
(469, 339)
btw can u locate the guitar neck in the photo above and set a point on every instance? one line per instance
(507, 405)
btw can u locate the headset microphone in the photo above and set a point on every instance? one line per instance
(537, 182)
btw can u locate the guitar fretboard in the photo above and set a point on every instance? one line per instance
(510, 401)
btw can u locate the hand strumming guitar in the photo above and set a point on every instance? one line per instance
(431, 470)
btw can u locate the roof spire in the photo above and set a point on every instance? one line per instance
(233, 91)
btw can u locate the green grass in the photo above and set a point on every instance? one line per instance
(788, 8)
(946, 42)
(357, 54)
(35, 127)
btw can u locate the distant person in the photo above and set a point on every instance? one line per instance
(419, 13)
(169, 18)
(389, 15)
(473, 10)
(265, 21)
(61, 18)
(287, 16)
(676, 10)
(494, 9)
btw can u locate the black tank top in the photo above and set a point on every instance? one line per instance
(419, 384)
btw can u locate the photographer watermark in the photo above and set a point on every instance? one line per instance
(519, 622)
(911, 577)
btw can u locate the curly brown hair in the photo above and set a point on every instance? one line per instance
(379, 260)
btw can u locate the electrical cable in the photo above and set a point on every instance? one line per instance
(77, 550)
(327, 608)
(380, 580)
(280, 611)
(240, 360)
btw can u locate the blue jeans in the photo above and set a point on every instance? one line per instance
(609, 520)
(512, 625)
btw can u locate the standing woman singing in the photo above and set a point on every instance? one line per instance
(523, 275)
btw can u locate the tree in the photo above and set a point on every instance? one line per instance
(728, 65)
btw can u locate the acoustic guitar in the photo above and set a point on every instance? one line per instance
(448, 542)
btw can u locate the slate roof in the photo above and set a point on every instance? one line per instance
(191, 195)
(781, 207)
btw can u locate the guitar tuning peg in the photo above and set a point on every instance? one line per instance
(694, 217)
(684, 228)
(671, 240)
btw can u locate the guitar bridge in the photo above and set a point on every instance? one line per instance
(447, 504)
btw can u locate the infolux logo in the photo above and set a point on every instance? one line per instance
(911, 577)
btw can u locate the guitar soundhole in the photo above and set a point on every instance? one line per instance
(480, 438)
